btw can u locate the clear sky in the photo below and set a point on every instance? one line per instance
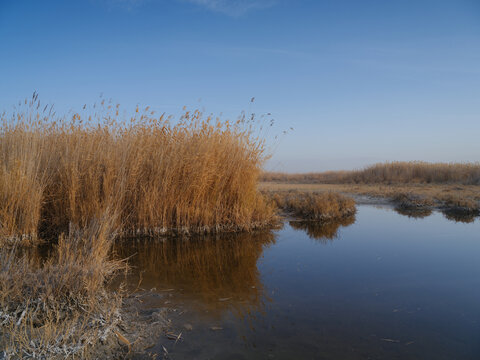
(359, 81)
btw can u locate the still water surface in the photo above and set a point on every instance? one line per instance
(380, 286)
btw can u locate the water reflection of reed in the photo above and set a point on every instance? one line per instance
(212, 273)
(322, 231)
(413, 213)
(459, 216)
(452, 215)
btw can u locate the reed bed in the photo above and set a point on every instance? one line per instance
(197, 174)
(390, 172)
(324, 206)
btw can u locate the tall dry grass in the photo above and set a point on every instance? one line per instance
(197, 174)
(390, 172)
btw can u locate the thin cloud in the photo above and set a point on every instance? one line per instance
(234, 7)
(123, 4)
(229, 7)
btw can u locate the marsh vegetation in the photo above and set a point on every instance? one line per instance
(450, 187)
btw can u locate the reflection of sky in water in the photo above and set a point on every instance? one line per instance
(387, 286)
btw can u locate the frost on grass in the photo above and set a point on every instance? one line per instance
(58, 307)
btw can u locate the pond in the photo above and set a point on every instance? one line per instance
(378, 286)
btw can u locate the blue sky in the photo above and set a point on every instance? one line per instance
(359, 81)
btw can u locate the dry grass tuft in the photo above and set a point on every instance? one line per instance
(315, 206)
(59, 307)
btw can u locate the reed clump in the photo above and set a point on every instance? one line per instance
(324, 206)
(197, 174)
(396, 172)
(462, 205)
(59, 308)
(412, 201)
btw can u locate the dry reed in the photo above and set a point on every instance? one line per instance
(195, 175)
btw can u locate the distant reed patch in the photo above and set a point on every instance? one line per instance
(397, 172)
(322, 206)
